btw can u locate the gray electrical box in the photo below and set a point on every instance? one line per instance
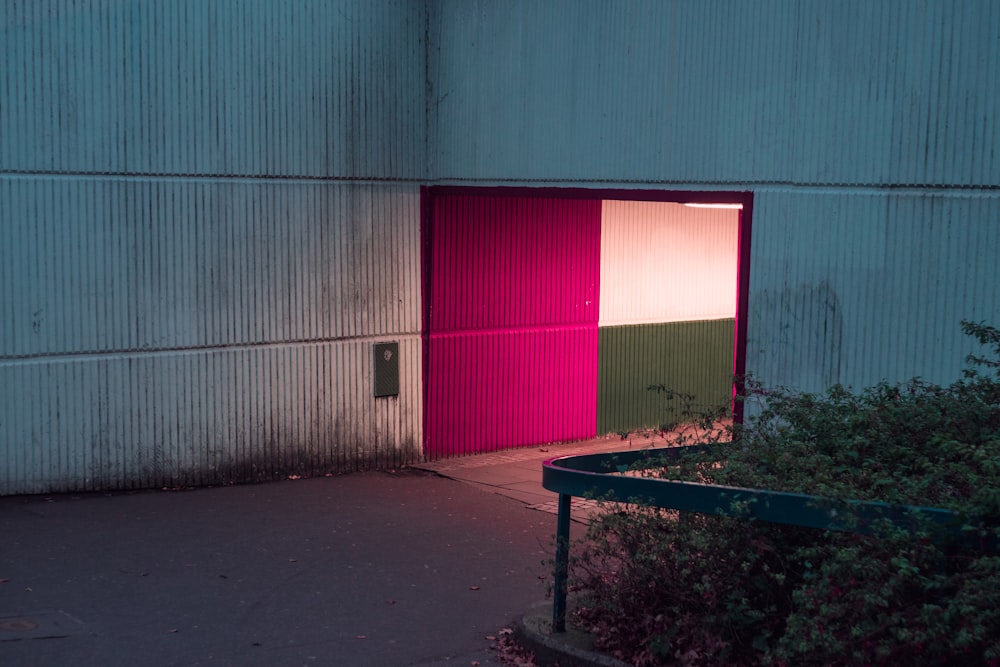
(386, 369)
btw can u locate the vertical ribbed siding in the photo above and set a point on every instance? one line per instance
(203, 417)
(693, 358)
(512, 349)
(668, 299)
(498, 390)
(777, 91)
(256, 87)
(507, 262)
(666, 262)
(190, 331)
(771, 93)
(189, 295)
(857, 288)
(106, 265)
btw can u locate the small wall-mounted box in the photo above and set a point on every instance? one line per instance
(387, 369)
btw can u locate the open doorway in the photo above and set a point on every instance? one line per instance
(548, 312)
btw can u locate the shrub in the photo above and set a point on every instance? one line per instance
(657, 588)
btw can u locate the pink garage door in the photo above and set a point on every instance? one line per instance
(511, 327)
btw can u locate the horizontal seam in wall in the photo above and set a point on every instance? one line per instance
(657, 323)
(596, 183)
(92, 355)
(199, 177)
(514, 329)
(486, 182)
(728, 186)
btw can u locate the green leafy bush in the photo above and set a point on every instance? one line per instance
(661, 589)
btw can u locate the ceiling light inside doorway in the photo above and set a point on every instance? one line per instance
(709, 205)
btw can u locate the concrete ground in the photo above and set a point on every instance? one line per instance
(414, 567)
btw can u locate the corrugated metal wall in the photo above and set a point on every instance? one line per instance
(99, 265)
(666, 262)
(153, 157)
(717, 91)
(202, 417)
(512, 328)
(514, 356)
(325, 88)
(209, 326)
(866, 131)
(668, 303)
(693, 358)
(192, 274)
(854, 287)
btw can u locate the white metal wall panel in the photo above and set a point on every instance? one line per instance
(111, 264)
(858, 287)
(666, 262)
(157, 330)
(203, 417)
(193, 272)
(190, 284)
(717, 91)
(247, 87)
(162, 331)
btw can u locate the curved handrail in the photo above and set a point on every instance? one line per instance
(600, 476)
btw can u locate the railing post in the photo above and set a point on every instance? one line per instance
(562, 565)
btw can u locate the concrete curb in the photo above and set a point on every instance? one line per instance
(573, 648)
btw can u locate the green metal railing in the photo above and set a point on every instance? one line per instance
(600, 476)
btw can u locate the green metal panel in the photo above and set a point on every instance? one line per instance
(690, 357)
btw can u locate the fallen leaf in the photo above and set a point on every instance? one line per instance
(361, 636)
(510, 652)
(174, 631)
(4, 581)
(473, 588)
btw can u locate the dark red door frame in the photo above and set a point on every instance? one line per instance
(742, 307)
(745, 198)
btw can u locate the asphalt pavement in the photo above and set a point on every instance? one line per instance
(420, 566)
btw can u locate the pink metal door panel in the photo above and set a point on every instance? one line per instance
(502, 390)
(511, 355)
